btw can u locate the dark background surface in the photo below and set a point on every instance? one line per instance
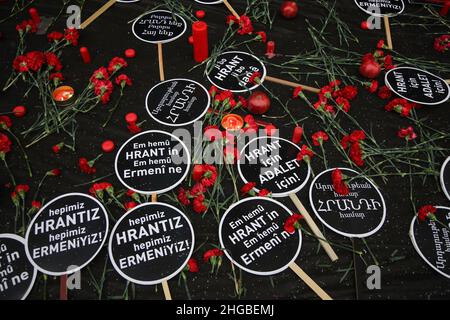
(110, 35)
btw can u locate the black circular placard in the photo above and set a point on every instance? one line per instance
(152, 162)
(127, 1)
(159, 26)
(177, 102)
(232, 71)
(432, 240)
(359, 214)
(151, 243)
(252, 235)
(66, 234)
(445, 178)
(418, 85)
(209, 1)
(388, 8)
(17, 274)
(272, 164)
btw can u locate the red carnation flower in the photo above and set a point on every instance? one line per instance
(407, 133)
(384, 92)
(35, 60)
(442, 43)
(401, 106)
(36, 204)
(427, 211)
(212, 254)
(292, 223)
(245, 25)
(5, 122)
(248, 188)
(183, 197)
(261, 35)
(339, 183)
(192, 266)
(198, 204)
(53, 61)
(134, 128)
(319, 137)
(5, 145)
(57, 147)
(55, 36)
(264, 193)
(116, 64)
(298, 92)
(86, 166)
(129, 205)
(20, 64)
(123, 80)
(255, 78)
(54, 172)
(71, 35)
(305, 154)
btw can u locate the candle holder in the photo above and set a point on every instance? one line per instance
(63, 96)
(232, 122)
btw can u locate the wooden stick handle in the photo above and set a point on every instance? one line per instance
(165, 284)
(387, 26)
(166, 290)
(448, 81)
(98, 13)
(325, 245)
(161, 62)
(292, 84)
(230, 8)
(310, 282)
(63, 287)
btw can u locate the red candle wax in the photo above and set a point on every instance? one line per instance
(34, 15)
(85, 55)
(232, 122)
(270, 49)
(200, 35)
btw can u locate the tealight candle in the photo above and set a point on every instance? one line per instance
(63, 96)
(232, 122)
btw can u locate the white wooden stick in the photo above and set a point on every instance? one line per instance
(161, 62)
(230, 8)
(291, 84)
(165, 284)
(166, 290)
(310, 282)
(98, 13)
(387, 26)
(312, 225)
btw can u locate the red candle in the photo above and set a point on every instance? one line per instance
(200, 14)
(200, 35)
(85, 55)
(232, 122)
(108, 146)
(298, 134)
(445, 8)
(34, 15)
(130, 53)
(131, 117)
(270, 49)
